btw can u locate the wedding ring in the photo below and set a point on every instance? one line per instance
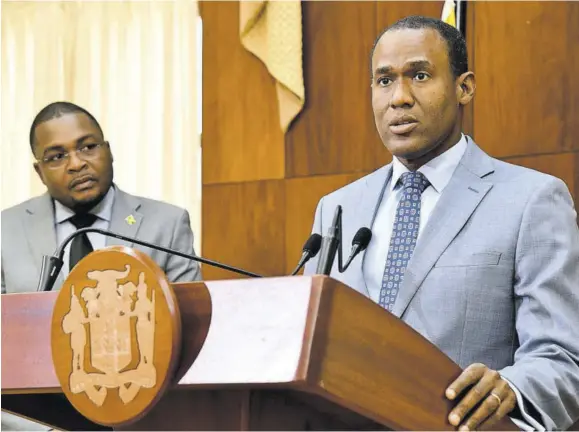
(497, 397)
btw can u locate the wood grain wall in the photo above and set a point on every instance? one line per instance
(260, 188)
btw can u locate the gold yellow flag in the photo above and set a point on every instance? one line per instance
(448, 13)
(272, 31)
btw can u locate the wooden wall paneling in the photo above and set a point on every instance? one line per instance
(527, 94)
(526, 104)
(243, 225)
(302, 196)
(576, 195)
(242, 139)
(388, 12)
(571, 84)
(469, 32)
(335, 133)
(563, 165)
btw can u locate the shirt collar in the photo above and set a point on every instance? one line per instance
(438, 171)
(102, 210)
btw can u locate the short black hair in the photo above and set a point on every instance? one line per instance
(452, 36)
(55, 110)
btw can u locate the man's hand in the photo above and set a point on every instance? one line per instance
(490, 394)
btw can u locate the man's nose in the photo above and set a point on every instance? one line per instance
(75, 163)
(401, 95)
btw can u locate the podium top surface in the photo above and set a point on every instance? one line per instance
(310, 334)
(255, 334)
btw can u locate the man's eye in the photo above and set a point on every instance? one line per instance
(89, 147)
(421, 76)
(384, 81)
(55, 157)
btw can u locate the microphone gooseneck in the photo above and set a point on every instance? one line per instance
(51, 265)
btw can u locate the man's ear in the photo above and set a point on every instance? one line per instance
(465, 87)
(110, 151)
(36, 166)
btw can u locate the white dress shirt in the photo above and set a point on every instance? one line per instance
(438, 171)
(103, 211)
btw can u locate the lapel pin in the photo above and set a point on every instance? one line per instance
(130, 219)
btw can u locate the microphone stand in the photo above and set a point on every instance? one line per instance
(332, 245)
(51, 265)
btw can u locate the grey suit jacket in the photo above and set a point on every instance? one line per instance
(28, 233)
(494, 277)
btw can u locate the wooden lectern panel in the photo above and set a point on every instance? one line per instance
(255, 409)
(331, 343)
(26, 356)
(278, 354)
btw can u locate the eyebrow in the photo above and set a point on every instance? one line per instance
(54, 147)
(412, 65)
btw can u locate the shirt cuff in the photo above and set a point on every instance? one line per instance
(527, 423)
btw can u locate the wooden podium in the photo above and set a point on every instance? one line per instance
(293, 353)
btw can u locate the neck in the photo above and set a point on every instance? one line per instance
(85, 207)
(442, 146)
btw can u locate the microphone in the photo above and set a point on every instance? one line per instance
(330, 245)
(310, 250)
(51, 265)
(359, 244)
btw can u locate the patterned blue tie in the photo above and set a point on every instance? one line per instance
(404, 235)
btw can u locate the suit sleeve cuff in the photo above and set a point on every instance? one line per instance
(526, 422)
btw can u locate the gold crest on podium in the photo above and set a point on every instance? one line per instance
(113, 351)
(110, 307)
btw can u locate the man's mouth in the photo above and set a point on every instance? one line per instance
(83, 182)
(403, 127)
(402, 124)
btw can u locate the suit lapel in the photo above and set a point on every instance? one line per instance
(459, 200)
(39, 228)
(366, 213)
(125, 219)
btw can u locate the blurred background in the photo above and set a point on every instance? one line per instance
(247, 113)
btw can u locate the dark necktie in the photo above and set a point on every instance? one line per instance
(404, 235)
(80, 246)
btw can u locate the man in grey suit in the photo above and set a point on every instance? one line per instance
(479, 256)
(75, 163)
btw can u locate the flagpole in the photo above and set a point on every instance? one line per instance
(459, 16)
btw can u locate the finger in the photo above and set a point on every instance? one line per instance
(477, 393)
(487, 408)
(469, 376)
(506, 407)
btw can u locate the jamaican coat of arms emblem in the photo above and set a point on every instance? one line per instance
(112, 348)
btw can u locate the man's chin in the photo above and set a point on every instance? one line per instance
(86, 199)
(85, 196)
(407, 149)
